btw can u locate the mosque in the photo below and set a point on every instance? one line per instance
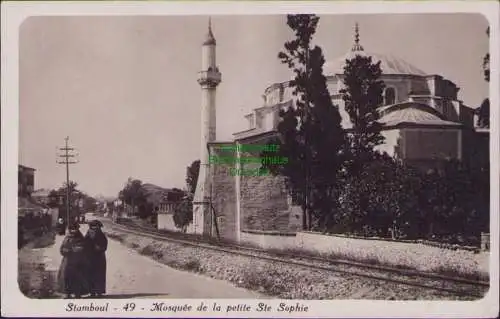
(423, 120)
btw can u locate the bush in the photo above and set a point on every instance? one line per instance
(390, 199)
(183, 214)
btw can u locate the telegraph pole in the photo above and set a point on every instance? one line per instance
(67, 156)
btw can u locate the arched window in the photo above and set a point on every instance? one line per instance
(390, 96)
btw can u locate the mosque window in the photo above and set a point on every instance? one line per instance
(390, 96)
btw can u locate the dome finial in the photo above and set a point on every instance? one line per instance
(210, 39)
(356, 46)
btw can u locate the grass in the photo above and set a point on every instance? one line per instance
(34, 281)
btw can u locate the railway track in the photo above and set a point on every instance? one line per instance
(445, 284)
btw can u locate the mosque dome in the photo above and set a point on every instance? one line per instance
(388, 63)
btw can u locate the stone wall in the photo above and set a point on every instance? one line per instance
(263, 199)
(223, 194)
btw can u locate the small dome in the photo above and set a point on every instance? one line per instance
(412, 113)
(388, 63)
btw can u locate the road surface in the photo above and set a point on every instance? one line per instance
(130, 275)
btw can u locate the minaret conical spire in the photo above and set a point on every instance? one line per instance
(209, 39)
(356, 46)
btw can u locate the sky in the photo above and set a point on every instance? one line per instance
(124, 88)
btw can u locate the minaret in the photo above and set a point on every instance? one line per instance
(209, 77)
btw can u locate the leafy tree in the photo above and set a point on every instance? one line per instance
(183, 214)
(53, 199)
(484, 110)
(72, 187)
(362, 96)
(486, 61)
(311, 136)
(193, 171)
(383, 197)
(132, 193)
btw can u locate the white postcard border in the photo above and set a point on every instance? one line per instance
(14, 303)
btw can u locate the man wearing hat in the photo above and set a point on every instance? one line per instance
(98, 244)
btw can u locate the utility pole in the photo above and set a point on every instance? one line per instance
(66, 149)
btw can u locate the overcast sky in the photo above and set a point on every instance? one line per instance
(124, 88)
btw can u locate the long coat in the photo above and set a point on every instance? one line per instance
(97, 260)
(72, 275)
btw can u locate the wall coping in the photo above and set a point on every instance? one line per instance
(417, 241)
(269, 232)
(357, 237)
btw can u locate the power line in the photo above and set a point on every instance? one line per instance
(67, 156)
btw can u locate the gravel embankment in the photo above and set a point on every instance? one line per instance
(281, 280)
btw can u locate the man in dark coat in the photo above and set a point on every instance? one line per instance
(97, 258)
(71, 277)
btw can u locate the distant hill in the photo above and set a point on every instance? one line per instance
(155, 193)
(100, 198)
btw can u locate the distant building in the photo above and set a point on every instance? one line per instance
(165, 219)
(26, 181)
(41, 196)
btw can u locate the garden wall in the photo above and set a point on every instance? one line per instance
(269, 239)
(372, 250)
(166, 221)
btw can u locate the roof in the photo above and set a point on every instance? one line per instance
(389, 64)
(25, 167)
(414, 114)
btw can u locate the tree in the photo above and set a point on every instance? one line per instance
(192, 176)
(311, 137)
(72, 186)
(486, 61)
(383, 196)
(362, 96)
(53, 199)
(183, 214)
(132, 193)
(484, 110)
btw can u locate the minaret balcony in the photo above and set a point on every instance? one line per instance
(210, 78)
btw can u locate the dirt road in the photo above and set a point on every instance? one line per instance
(130, 275)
